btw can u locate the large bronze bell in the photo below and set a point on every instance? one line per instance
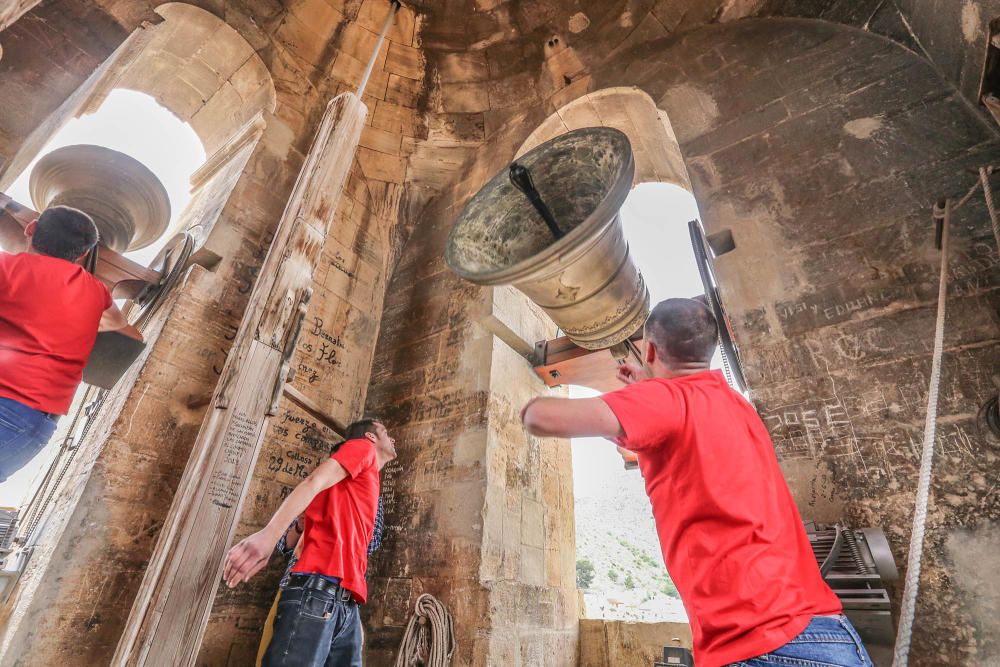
(126, 200)
(548, 225)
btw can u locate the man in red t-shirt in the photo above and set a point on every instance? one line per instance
(318, 624)
(51, 309)
(730, 533)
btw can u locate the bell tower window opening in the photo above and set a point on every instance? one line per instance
(616, 536)
(135, 124)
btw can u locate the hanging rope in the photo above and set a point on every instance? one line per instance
(984, 179)
(429, 640)
(908, 610)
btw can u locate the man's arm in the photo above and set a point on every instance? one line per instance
(113, 319)
(571, 418)
(252, 553)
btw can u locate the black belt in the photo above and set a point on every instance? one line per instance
(320, 584)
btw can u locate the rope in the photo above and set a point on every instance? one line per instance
(984, 178)
(67, 452)
(429, 640)
(908, 610)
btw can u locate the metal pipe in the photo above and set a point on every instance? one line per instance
(393, 7)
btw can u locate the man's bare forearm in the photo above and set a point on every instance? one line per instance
(294, 505)
(550, 417)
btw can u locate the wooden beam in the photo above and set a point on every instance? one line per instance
(314, 410)
(171, 611)
(123, 277)
(561, 362)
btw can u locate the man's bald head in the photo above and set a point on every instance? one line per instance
(683, 331)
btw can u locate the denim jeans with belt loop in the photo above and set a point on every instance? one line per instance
(828, 641)
(314, 627)
(24, 432)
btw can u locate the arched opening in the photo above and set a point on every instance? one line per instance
(615, 532)
(188, 97)
(619, 564)
(135, 124)
(205, 74)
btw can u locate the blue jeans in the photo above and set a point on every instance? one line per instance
(828, 641)
(314, 629)
(24, 432)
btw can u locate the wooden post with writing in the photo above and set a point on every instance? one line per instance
(170, 612)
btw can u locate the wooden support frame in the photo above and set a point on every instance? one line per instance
(123, 277)
(171, 610)
(560, 362)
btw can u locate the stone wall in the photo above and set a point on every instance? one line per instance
(478, 514)
(626, 644)
(823, 149)
(82, 581)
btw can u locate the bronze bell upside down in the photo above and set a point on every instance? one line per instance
(549, 225)
(126, 200)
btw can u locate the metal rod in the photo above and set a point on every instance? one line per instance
(393, 6)
(520, 177)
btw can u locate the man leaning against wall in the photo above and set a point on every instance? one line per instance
(318, 623)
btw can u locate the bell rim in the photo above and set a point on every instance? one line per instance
(605, 214)
(125, 166)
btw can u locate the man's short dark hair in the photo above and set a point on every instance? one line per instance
(360, 427)
(64, 232)
(683, 330)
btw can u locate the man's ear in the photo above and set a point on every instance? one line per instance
(29, 229)
(651, 352)
(371, 436)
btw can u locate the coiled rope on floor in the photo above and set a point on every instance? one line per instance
(913, 561)
(429, 640)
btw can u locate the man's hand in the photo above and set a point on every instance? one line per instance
(248, 558)
(629, 373)
(113, 319)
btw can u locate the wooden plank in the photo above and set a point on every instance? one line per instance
(171, 610)
(314, 410)
(566, 363)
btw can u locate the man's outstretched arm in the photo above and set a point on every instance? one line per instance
(570, 418)
(113, 319)
(252, 553)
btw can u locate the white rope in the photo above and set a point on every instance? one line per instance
(908, 610)
(984, 178)
(429, 640)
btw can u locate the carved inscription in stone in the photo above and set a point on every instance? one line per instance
(225, 484)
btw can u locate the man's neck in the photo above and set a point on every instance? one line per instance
(680, 370)
(381, 459)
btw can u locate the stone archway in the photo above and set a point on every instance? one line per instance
(201, 70)
(207, 75)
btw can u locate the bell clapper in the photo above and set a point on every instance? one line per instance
(521, 179)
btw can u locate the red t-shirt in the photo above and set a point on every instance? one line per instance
(340, 520)
(731, 535)
(50, 309)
